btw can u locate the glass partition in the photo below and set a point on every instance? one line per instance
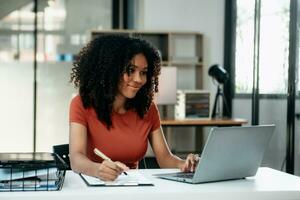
(63, 28)
(66, 29)
(16, 75)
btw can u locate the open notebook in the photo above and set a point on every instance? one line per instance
(133, 178)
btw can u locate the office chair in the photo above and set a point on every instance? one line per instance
(148, 163)
(63, 151)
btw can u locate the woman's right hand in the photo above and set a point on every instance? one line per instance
(109, 171)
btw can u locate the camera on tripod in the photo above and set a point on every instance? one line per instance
(221, 76)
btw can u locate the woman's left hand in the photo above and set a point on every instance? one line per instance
(190, 163)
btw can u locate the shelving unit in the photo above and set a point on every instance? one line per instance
(179, 49)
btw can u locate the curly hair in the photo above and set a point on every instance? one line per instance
(99, 66)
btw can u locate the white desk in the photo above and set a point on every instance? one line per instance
(268, 184)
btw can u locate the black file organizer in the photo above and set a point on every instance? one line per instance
(31, 172)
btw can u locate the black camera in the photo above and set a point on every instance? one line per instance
(218, 73)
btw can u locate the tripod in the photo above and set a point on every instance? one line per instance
(216, 113)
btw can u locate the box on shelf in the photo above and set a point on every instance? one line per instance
(192, 104)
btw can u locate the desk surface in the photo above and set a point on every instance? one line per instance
(204, 122)
(268, 184)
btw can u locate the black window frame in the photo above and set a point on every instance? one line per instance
(291, 96)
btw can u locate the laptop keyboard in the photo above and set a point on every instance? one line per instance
(184, 175)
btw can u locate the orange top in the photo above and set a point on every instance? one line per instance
(126, 141)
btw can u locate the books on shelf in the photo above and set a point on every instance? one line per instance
(192, 104)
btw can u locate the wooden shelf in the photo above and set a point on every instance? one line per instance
(177, 48)
(204, 122)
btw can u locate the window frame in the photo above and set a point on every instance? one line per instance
(229, 58)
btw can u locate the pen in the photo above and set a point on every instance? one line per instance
(103, 156)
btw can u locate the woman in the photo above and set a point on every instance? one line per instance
(117, 77)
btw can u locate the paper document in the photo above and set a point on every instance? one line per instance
(134, 178)
(28, 184)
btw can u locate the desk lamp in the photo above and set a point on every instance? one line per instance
(221, 76)
(167, 89)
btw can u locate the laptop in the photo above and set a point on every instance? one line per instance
(229, 153)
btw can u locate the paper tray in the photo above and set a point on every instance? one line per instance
(31, 172)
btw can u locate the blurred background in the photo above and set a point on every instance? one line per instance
(253, 40)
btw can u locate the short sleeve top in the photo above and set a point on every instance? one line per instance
(126, 141)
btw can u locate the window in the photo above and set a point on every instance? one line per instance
(273, 47)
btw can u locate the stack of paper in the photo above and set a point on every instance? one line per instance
(22, 179)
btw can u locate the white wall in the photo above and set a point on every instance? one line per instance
(204, 16)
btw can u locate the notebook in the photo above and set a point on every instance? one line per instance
(133, 178)
(229, 153)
